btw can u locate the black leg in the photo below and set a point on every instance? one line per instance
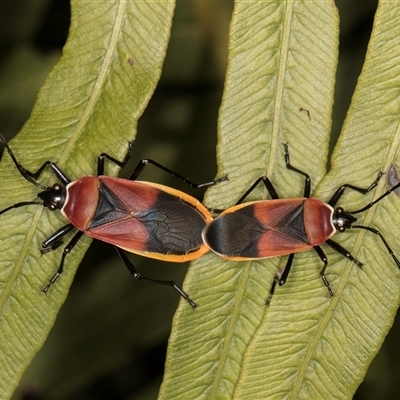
(307, 184)
(67, 249)
(56, 239)
(57, 172)
(339, 193)
(369, 205)
(143, 163)
(268, 184)
(136, 275)
(271, 292)
(146, 161)
(323, 258)
(341, 250)
(53, 167)
(101, 158)
(280, 279)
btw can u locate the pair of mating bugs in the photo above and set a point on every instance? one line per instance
(163, 223)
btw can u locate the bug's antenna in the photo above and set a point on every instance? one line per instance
(25, 173)
(368, 206)
(23, 203)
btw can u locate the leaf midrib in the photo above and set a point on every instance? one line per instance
(276, 123)
(280, 86)
(73, 139)
(99, 84)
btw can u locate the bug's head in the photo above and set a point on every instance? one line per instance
(53, 197)
(342, 220)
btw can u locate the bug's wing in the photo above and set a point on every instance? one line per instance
(150, 220)
(260, 229)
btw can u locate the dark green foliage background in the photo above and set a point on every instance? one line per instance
(110, 337)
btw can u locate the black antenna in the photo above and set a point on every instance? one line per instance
(368, 206)
(25, 173)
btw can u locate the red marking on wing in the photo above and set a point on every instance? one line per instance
(276, 240)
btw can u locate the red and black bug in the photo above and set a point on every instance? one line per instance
(140, 217)
(277, 227)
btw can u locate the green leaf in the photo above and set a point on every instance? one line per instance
(89, 104)
(283, 57)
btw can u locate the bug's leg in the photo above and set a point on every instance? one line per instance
(58, 173)
(31, 176)
(307, 183)
(280, 279)
(396, 260)
(67, 249)
(143, 163)
(136, 275)
(323, 258)
(267, 183)
(55, 240)
(341, 250)
(146, 161)
(339, 193)
(53, 167)
(271, 292)
(54, 245)
(103, 156)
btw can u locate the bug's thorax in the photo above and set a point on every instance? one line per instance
(342, 219)
(81, 201)
(318, 221)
